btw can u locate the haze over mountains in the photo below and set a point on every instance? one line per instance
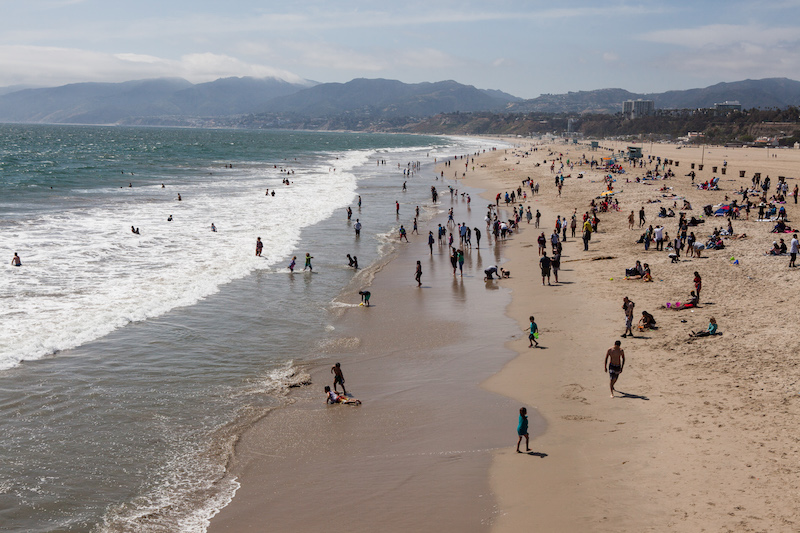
(175, 100)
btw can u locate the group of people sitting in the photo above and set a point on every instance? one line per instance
(639, 271)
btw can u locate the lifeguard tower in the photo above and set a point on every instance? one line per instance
(634, 153)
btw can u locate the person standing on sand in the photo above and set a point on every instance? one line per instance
(698, 284)
(478, 238)
(522, 429)
(794, 248)
(538, 216)
(338, 377)
(418, 274)
(614, 362)
(631, 220)
(533, 333)
(627, 307)
(430, 241)
(642, 218)
(545, 263)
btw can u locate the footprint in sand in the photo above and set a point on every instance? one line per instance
(573, 392)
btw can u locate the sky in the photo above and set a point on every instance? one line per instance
(523, 47)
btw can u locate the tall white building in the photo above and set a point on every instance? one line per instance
(638, 108)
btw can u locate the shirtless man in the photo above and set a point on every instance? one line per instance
(338, 377)
(615, 361)
(16, 260)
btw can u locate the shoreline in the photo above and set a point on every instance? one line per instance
(415, 358)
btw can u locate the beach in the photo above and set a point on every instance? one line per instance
(698, 438)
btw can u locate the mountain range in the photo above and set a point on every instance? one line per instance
(177, 101)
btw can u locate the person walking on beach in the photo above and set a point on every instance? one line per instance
(614, 362)
(533, 333)
(522, 429)
(338, 377)
(17, 262)
(259, 246)
(403, 234)
(418, 274)
(587, 234)
(308, 263)
(631, 220)
(430, 241)
(642, 218)
(538, 216)
(627, 307)
(357, 227)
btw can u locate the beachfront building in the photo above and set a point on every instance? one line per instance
(728, 107)
(638, 108)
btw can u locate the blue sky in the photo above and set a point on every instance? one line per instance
(522, 47)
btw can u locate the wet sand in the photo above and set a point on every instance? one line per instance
(700, 436)
(416, 453)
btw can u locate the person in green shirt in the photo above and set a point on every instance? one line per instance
(534, 334)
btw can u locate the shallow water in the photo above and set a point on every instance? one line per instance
(132, 363)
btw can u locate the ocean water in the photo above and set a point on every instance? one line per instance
(130, 364)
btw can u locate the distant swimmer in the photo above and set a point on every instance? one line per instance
(338, 377)
(179, 197)
(355, 262)
(308, 262)
(365, 297)
(267, 193)
(614, 363)
(135, 230)
(169, 218)
(130, 184)
(350, 260)
(213, 227)
(162, 186)
(259, 246)
(292, 264)
(16, 260)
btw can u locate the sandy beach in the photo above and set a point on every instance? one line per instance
(698, 438)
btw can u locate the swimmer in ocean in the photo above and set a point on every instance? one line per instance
(16, 261)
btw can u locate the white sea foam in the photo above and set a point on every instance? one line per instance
(85, 274)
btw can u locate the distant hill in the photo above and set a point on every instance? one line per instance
(770, 92)
(361, 102)
(388, 98)
(111, 103)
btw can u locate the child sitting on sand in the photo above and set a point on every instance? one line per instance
(712, 329)
(677, 306)
(335, 397)
(647, 321)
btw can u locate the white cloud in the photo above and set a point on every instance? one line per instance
(732, 51)
(38, 65)
(610, 57)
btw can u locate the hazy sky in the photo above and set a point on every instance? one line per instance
(522, 47)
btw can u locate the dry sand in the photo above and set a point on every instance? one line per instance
(705, 440)
(702, 440)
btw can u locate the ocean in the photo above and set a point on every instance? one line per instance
(131, 363)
